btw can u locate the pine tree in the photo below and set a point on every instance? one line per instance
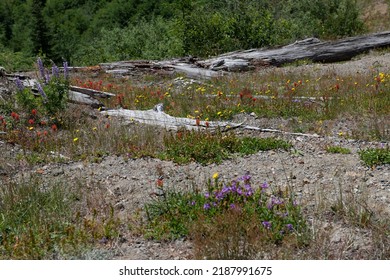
(39, 32)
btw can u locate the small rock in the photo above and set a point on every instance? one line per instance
(57, 172)
(306, 181)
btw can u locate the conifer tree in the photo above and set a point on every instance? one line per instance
(39, 32)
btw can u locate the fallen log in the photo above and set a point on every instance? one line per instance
(83, 99)
(192, 71)
(158, 118)
(309, 49)
(92, 92)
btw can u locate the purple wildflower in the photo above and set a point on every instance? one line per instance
(219, 195)
(264, 186)
(207, 195)
(193, 203)
(47, 77)
(266, 224)
(19, 84)
(233, 188)
(232, 206)
(41, 68)
(290, 227)
(246, 178)
(66, 70)
(55, 71)
(249, 193)
(41, 91)
(274, 201)
(206, 206)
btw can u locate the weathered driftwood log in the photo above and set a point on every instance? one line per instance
(311, 49)
(84, 99)
(158, 118)
(92, 92)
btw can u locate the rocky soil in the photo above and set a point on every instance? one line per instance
(317, 177)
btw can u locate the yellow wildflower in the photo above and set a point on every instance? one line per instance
(215, 176)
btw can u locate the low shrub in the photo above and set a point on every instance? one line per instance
(236, 212)
(375, 156)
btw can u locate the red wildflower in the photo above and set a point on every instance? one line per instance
(3, 122)
(107, 125)
(31, 121)
(45, 133)
(54, 127)
(15, 116)
(160, 182)
(33, 112)
(197, 122)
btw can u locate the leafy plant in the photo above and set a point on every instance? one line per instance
(259, 215)
(337, 150)
(45, 221)
(207, 147)
(375, 156)
(53, 91)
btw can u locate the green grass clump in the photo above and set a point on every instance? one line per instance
(39, 221)
(375, 156)
(338, 150)
(207, 147)
(258, 214)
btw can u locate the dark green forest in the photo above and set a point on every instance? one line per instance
(86, 32)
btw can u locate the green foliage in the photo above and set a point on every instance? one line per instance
(41, 221)
(207, 147)
(145, 40)
(15, 61)
(338, 150)
(268, 215)
(209, 31)
(375, 156)
(53, 92)
(67, 30)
